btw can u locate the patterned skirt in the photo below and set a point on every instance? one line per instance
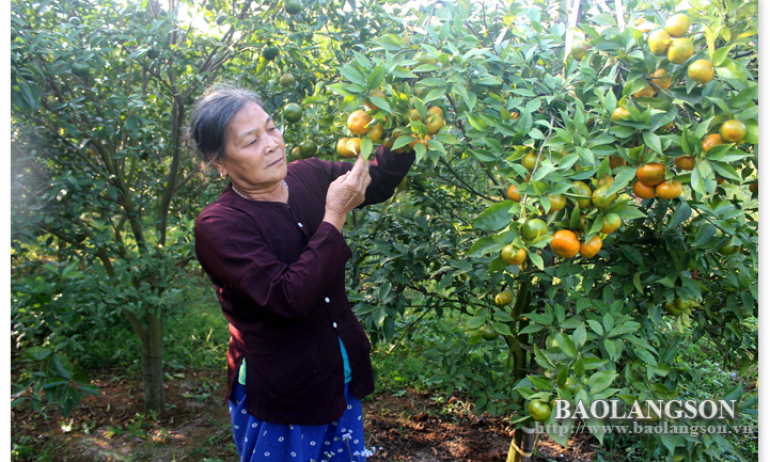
(260, 441)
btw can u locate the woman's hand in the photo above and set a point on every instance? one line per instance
(346, 193)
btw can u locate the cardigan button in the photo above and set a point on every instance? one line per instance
(326, 299)
(334, 324)
(300, 224)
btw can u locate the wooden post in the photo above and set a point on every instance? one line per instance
(619, 14)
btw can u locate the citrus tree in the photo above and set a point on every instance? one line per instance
(584, 196)
(617, 181)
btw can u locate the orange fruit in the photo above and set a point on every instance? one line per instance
(435, 123)
(358, 122)
(503, 298)
(617, 161)
(606, 180)
(714, 139)
(539, 410)
(620, 113)
(529, 161)
(661, 78)
(733, 131)
(558, 202)
(643, 191)
(659, 42)
(668, 127)
(584, 190)
(368, 103)
(512, 256)
(435, 110)
(422, 141)
(754, 187)
(647, 91)
(348, 147)
(591, 248)
(701, 71)
(565, 243)
(515, 116)
(685, 162)
(533, 229)
(680, 50)
(579, 49)
(388, 142)
(513, 193)
(375, 133)
(414, 114)
(601, 198)
(651, 174)
(677, 25)
(669, 189)
(612, 221)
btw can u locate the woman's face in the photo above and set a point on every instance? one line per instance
(255, 156)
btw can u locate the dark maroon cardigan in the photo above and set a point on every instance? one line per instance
(279, 273)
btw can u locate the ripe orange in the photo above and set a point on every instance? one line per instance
(669, 189)
(680, 50)
(558, 202)
(647, 91)
(435, 123)
(701, 71)
(733, 131)
(651, 174)
(422, 141)
(643, 191)
(661, 78)
(348, 147)
(714, 139)
(612, 221)
(686, 162)
(601, 198)
(435, 110)
(584, 190)
(677, 25)
(513, 193)
(659, 42)
(620, 113)
(368, 103)
(358, 122)
(617, 161)
(591, 248)
(512, 256)
(529, 161)
(565, 243)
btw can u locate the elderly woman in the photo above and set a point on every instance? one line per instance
(298, 360)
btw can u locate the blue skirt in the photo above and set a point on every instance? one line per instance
(260, 441)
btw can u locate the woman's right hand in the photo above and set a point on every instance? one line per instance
(346, 193)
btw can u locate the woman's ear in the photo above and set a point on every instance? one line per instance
(217, 163)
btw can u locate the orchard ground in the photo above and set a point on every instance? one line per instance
(408, 416)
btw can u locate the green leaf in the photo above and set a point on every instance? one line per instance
(494, 218)
(600, 381)
(682, 213)
(646, 356)
(566, 345)
(366, 147)
(540, 383)
(501, 328)
(653, 142)
(353, 75)
(36, 353)
(476, 322)
(580, 336)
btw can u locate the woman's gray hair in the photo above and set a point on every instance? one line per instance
(207, 132)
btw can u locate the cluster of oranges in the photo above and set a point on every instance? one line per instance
(361, 123)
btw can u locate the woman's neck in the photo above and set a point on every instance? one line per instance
(278, 192)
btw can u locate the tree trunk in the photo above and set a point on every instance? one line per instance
(152, 371)
(522, 445)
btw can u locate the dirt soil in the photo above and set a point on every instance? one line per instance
(195, 427)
